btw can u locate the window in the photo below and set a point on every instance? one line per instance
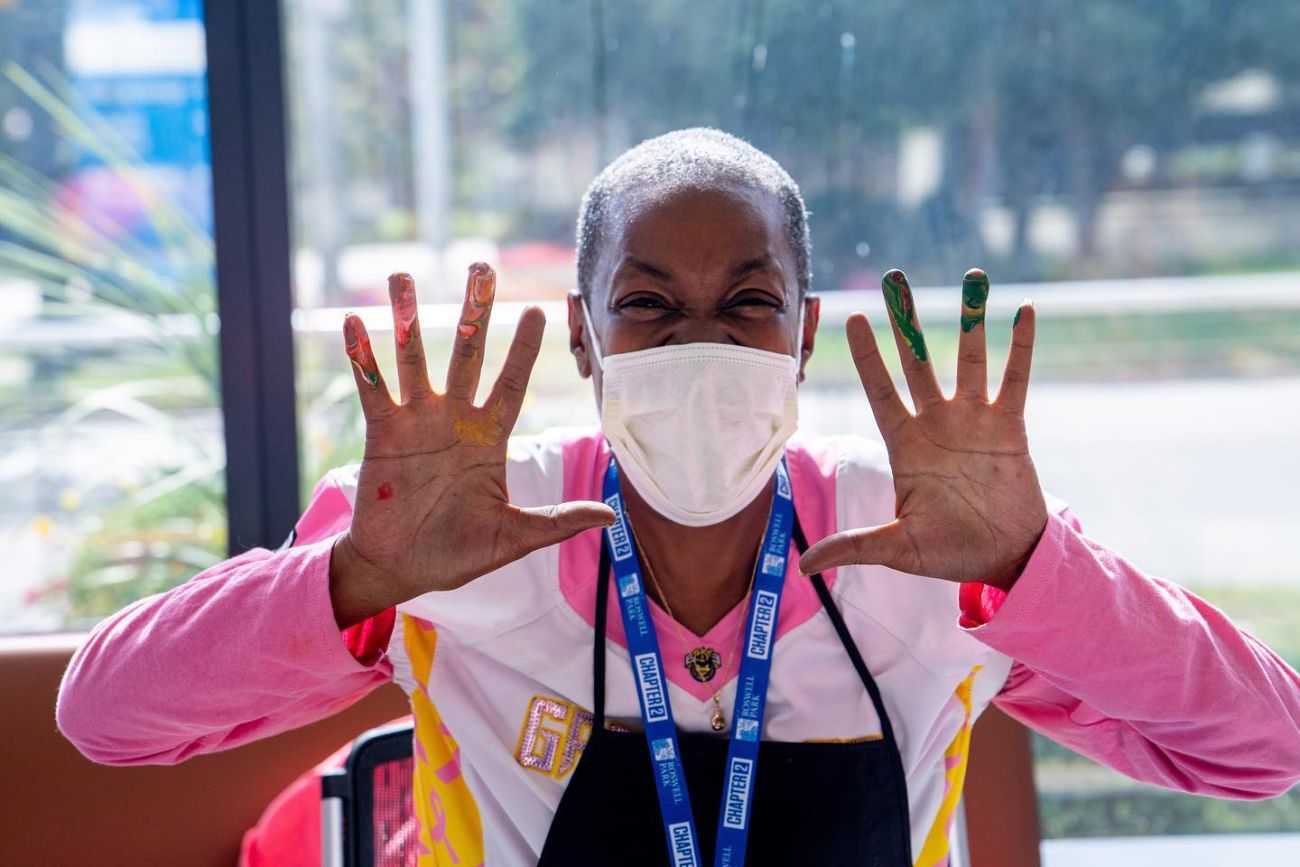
(1133, 166)
(112, 451)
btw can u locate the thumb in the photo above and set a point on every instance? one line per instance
(549, 525)
(883, 545)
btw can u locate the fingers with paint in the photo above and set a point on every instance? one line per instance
(974, 298)
(478, 298)
(902, 309)
(357, 343)
(401, 292)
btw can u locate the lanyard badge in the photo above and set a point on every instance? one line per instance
(752, 679)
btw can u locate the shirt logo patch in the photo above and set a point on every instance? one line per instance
(553, 736)
(703, 663)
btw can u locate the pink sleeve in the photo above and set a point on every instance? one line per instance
(246, 649)
(1140, 674)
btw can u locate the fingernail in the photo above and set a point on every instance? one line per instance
(398, 282)
(349, 332)
(483, 285)
(974, 298)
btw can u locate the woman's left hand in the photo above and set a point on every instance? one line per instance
(968, 504)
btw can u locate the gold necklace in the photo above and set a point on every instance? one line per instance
(717, 720)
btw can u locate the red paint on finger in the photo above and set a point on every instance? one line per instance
(357, 344)
(478, 298)
(385, 491)
(401, 291)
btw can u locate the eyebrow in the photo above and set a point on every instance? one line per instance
(757, 264)
(648, 269)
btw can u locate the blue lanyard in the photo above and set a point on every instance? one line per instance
(751, 692)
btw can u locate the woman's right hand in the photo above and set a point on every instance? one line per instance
(432, 508)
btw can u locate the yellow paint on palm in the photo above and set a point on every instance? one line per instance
(480, 427)
(935, 850)
(451, 831)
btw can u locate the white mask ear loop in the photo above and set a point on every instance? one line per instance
(591, 333)
(798, 342)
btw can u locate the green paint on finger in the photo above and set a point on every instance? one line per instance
(1016, 319)
(898, 298)
(974, 297)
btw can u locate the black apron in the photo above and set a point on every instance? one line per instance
(814, 803)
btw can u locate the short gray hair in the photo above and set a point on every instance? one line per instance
(700, 158)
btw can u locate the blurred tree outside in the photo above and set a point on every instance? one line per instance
(999, 110)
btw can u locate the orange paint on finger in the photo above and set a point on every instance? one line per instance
(478, 299)
(482, 285)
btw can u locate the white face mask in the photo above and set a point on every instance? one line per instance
(698, 428)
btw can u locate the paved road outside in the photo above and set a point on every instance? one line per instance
(1196, 481)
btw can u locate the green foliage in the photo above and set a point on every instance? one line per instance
(147, 533)
(142, 548)
(1157, 813)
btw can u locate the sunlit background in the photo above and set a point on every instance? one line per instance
(1132, 166)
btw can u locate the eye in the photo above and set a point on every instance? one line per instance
(755, 300)
(645, 302)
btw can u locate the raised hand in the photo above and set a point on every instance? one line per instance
(432, 508)
(968, 503)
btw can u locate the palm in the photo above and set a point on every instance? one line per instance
(432, 508)
(969, 506)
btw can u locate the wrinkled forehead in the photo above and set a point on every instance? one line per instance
(694, 232)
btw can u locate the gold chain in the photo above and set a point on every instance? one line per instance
(718, 720)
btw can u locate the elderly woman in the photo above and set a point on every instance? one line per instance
(623, 646)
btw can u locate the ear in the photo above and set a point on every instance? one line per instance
(577, 335)
(812, 311)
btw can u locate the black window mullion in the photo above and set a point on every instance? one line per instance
(251, 217)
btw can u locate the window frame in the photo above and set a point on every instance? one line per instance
(250, 201)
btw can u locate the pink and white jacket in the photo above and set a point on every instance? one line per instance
(1126, 668)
